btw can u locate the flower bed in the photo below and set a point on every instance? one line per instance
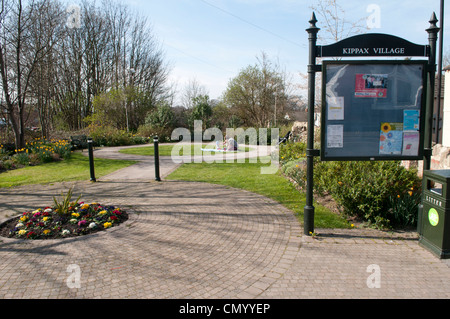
(48, 223)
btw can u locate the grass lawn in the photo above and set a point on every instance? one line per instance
(166, 150)
(247, 176)
(75, 168)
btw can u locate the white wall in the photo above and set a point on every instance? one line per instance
(446, 120)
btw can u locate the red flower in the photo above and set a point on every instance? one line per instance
(113, 217)
(30, 234)
(117, 212)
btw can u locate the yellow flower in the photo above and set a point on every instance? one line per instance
(85, 206)
(22, 232)
(45, 219)
(410, 193)
(24, 218)
(46, 232)
(386, 127)
(103, 212)
(107, 224)
(75, 215)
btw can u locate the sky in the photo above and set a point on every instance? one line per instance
(211, 41)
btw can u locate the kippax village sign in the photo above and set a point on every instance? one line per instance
(373, 51)
(369, 45)
(378, 109)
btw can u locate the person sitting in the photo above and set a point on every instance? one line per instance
(232, 145)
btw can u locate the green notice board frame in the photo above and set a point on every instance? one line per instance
(373, 110)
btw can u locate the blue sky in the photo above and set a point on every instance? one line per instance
(212, 40)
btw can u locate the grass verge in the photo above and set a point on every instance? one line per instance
(166, 150)
(248, 176)
(73, 169)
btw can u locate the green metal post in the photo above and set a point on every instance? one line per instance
(432, 38)
(308, 218)
(156, 151)
(91, 159)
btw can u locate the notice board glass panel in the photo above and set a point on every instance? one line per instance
(373, 110)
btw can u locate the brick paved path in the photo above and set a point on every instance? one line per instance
(195, 240)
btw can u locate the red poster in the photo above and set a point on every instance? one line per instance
(371, 85)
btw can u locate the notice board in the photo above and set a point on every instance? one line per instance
(373, 110)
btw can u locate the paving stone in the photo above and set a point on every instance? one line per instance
(195, 240)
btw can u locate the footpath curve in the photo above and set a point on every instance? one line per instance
(196, 240)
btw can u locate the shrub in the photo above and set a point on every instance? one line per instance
(292, 151)
(148, 132)
(296, 171)
(36, 152)
(22, 158)
(384, 194)
(365, 190)
(109, 136)
(62, 148)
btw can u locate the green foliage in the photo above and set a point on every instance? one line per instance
(109, 136)
(109, 110)
(292, 151)
(160, 122)
(365, 190)
(22, 158)
(36, 152)
(161, 117)
(404, 209)
(384, 194)
(255, 91)
(62, 206)
(163, 133)
(201, 111)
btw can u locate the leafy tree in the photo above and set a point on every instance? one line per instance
(163, 116)
(201, 111)
(258, 95)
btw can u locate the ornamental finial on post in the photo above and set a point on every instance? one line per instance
(433, 29)
(313, 28)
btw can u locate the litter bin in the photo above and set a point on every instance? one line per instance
(434, 213)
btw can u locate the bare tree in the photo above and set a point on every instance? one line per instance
(20, 55)
(334, 27)
(334, 24)
(192, 90)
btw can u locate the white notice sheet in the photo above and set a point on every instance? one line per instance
(335, 136)
(335, 108)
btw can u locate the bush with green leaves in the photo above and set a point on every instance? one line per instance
(292, 152)
(382, 193)
(109, 136)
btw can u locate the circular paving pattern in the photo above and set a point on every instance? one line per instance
(182, 240)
